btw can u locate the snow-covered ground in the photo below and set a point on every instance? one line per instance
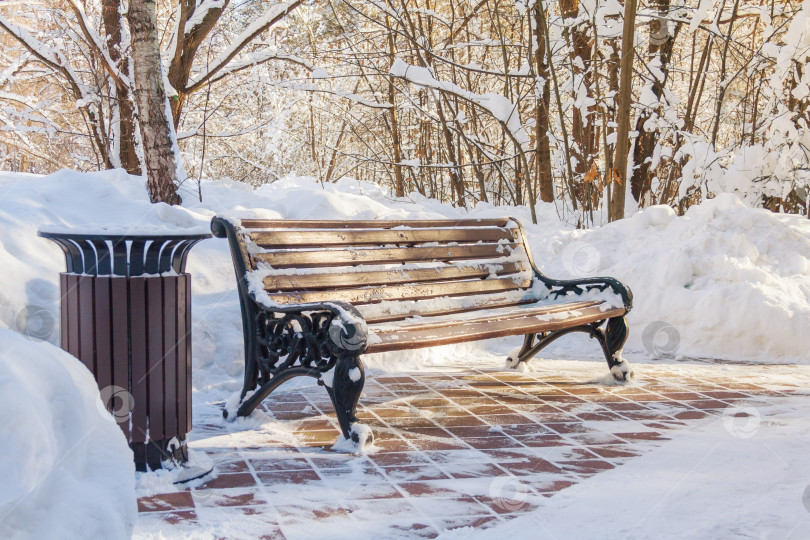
(703, 484)
(723, 281)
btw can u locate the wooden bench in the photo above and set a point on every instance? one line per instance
(315, 295)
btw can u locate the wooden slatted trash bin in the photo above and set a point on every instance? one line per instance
(125, 312)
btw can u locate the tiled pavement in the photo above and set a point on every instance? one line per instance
(464, 448)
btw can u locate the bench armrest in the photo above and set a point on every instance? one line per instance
(560, 287)
(348, 332)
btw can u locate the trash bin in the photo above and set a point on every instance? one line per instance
(125, 312)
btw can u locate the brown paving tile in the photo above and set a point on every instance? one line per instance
(594, 437)
(585, 467)
(550, 487)
(388, 379)
(460, 421)
(233, 465)
(370, 491)
(279, 464)
(529, 465)
(475, 470)
(473, 401)
(227, 498)
(691, 415)
(429, 431)
(287, 477)
(476, 522)
(541, 440)
(415, 473)
(624, 406)
(427, 489)
(614, 451)
(237, 480)
(643, 435)
(471, 431)
(180, 516)
(319, 424)
(395, 459)
(166, 501)
(394, 445)
(567, 427)
(437, 444)
(503, 419)
(490, 442)
(369, 474)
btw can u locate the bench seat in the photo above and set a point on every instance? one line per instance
(416, 333)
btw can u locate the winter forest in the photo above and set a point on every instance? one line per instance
(598, 106)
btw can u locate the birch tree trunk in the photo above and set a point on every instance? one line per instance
(150, 98)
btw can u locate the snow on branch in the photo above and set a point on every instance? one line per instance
(270, 17)
(503, 110)
(95, 42)
(200, 12)
(260, 57)
(49, 56)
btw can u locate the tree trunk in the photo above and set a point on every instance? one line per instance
(150, 98)
(661, 44)
(399, 181)
(127, 149)
(542, 147)
(582, 128)
(625, 98)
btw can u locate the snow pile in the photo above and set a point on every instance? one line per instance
(722, 281)
(66, 468)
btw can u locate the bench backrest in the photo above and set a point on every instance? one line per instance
(384, 267)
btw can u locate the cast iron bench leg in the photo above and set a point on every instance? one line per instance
(612, 339)
(347, 385)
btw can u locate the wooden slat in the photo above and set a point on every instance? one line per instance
(63, 311)
(155, 351)
(482, 302)
(306, 282)
(491, 315)
(369, 224)
(138, 318)
(120, 341)
(404, 340)
(404, 292)
(72, 295)
(103, 337)
(344, 257)
(86, 323)
(170, 367)
(184, 354)
(356, 237)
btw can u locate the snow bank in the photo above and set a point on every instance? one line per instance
(66, 468)
(724, 280)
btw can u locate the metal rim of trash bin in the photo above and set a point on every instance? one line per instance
(124, 255)
(141, 271)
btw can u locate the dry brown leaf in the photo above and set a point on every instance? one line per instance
(592, 174)
(615, 176)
